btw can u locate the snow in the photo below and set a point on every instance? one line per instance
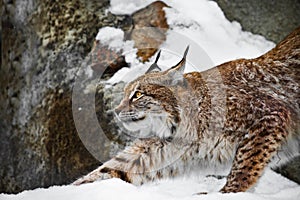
(213, 40)
(113, 37)
(271, 186)
(127, 7)
(222, 40)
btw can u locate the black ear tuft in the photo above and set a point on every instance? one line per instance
(157, 57)
(186, 51)
(154, 66)
(175, 74)
(181, 64)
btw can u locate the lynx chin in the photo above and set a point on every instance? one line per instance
(184, 126)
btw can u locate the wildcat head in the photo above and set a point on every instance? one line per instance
(150, 106)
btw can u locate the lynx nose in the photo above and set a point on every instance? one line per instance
(117, 110)
(123, 106)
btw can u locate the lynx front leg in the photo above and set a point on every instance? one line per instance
(146, 160)
(97, 174)
(254, 153)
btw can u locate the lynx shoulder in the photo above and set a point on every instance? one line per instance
(244, 113)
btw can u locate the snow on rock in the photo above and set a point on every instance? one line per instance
(204, 22)
(200, 22)
(127, 7)
(114, 39)
(110, 36)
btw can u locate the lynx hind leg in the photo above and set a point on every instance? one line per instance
(253, 154)
(146, 160)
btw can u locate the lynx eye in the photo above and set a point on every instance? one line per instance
(138, 94)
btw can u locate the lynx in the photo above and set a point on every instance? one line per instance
(183, 125)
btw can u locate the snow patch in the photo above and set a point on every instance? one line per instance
(271, 186)
(127, 7)
(114, 39)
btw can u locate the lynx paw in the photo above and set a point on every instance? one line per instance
(92, 177)
(81, 181)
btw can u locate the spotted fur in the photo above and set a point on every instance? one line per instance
(243, 114)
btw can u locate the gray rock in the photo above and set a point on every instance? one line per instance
(272, 19)
(291, 169)
(45, 45)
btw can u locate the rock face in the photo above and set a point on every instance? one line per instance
(105, 60)
(272, 19)
(291, 170)
(46, 45)
(148, 40)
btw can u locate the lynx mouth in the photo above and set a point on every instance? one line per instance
(138, 118)
(136, 126)
(128, 119)
(131, 119)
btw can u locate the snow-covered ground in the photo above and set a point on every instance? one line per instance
(202, 25)
(271, 186)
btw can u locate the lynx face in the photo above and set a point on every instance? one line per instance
(150, 106)
(145, 110)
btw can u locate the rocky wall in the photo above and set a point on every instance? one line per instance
(44, 46)
(272, 19)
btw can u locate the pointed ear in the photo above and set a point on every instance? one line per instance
(176, 72)
(154, 66)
